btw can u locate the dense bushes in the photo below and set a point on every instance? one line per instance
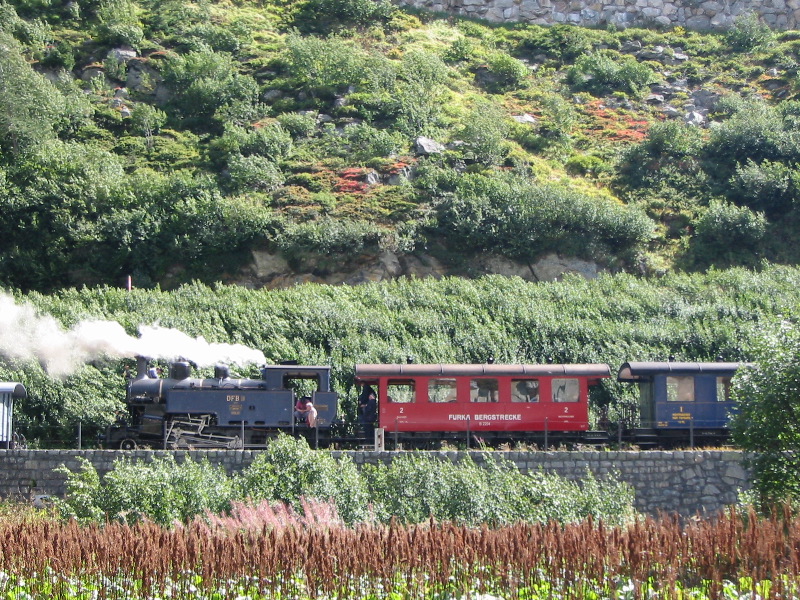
(765, 425)
(748, 33)
(729, 233)
(493, 493)
(161, 490)
(520, 219)
(412, 489)
(747, 164)
(755, 131)
(288, 471)
(204, 81)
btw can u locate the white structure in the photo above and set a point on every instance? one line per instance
(8, 392)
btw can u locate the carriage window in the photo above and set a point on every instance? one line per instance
(400, 391)
(680, 389)
(442, 390)
(483, 390)
(566, 390)
(723, 389)
(524, 390)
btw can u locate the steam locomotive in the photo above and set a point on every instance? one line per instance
(422, 405)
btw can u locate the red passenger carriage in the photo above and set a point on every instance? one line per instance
(491, 401)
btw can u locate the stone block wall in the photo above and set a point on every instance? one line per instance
(686, 482)
(691, 14)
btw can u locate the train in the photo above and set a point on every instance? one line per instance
(423, 406)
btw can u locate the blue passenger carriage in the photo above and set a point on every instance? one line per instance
(681, 403)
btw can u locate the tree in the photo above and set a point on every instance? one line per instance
(767, 425)
(485, 132)
(29, 104)
(148, 120)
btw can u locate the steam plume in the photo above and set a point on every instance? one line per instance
(27, 335)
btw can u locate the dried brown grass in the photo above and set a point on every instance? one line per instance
(316, 558)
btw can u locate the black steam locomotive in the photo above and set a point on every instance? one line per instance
(422, 405)
(179, 411)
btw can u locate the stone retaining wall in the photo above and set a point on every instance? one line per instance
(691, 14)
(685, 482)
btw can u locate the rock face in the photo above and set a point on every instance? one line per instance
(273, 271)
(426, 146)
(691, 14)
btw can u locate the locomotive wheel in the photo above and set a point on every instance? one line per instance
(128, 444)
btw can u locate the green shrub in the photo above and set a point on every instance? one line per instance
(328, 237)
(208, 35)
(423, 68)
(415, 488)
(203, 81)
(507, 73)
(728, 234)
(559, 118)
(765, 425)
(420, 92)
(462, 48)
(669, 154)
(59, 55)
(253, 172)
(322, 16)
(604, 72)
(587, 165)
(485, 131)
(30, 106)
(771, 187)
(323, 66)
(161, 490)
(119, 23)
(564, 42)
(288, 471)
(368, 142)
(749, 32)
(270, 140)
(299, 125)
(511, 216)
(147, 120)
(754, 131)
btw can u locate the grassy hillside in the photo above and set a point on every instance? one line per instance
(169, 139)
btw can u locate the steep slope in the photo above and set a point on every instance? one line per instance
(275, 142)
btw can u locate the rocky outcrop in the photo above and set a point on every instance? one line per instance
(273, 271)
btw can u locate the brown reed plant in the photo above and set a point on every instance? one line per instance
(309, 557)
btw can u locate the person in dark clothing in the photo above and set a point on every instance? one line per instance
(368, 412)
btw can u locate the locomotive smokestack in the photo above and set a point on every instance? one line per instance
(142, 365)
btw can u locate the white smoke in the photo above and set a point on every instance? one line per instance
(27, 335)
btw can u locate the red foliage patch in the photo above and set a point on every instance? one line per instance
(349, 181)
(615, 125)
